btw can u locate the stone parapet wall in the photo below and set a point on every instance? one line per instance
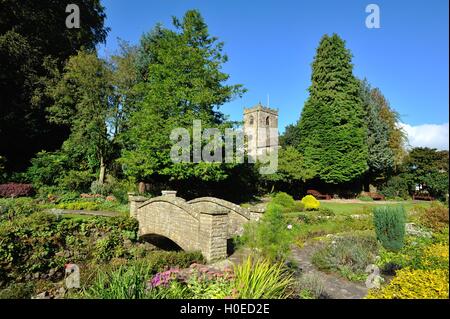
(202, 224)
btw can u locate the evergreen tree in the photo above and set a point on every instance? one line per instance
(332, 130)
(182, 81)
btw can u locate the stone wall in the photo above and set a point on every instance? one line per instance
(237, 216)
(202, 224)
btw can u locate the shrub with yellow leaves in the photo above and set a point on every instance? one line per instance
(415, 284)
(435, 256)
(310, 202)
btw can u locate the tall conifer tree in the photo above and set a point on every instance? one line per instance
(332, 130)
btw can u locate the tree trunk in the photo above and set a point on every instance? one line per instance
(101, 178)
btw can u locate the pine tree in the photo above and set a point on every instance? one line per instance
(332, 129)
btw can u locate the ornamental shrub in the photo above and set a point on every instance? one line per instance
(74, 180)
(261, 279)
(397, 187)
(365, 198)
(349, 256)
(271, 236)
(288, 203)
(415, 284)
(435, 256)
(16, 190)
(310, 202)
(435, 217)
(389, 222)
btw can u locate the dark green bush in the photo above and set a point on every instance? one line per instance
(120, 190)
(46, 168)
(397, 186)
(75, 180)
(389, 222)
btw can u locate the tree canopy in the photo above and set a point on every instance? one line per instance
(33, 41)
(332, 130)
(181, 81)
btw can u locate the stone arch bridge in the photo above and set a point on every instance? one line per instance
(203, 224)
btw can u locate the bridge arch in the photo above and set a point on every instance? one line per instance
(202, 224)
(170, 217)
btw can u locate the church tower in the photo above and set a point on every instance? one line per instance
(261, 129)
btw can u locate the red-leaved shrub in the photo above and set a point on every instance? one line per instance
(16, 190)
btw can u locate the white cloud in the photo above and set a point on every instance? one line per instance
(427, 135)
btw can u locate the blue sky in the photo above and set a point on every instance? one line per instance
(271, 45)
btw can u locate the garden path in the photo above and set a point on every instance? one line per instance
(335, 287)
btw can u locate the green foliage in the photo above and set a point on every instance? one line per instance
(389, 222)
(270, 236)
(74, 180)
(380, 156)
(349, 255)
(162, 260)
(437, 184)
(120, 190)
(47, 167)
(94, 204)
(311, 286)
(32, 38)
(219, 288)
(291, 167)
(39, 242)
(429, 168)
(181, 81)
(287, 202)
(100, 188)
(435, 217)
(83, 102)
(126, 282)
(397, 186)
(310, 202)
(365, 198)
(332, 130)
(129, 280)
(59, 169)
(11, 208)
(18, 291)
(2, 169)
(415, 284)
(261, 279)
(290, 136)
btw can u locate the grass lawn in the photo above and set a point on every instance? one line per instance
(342, 221)
(365, 208)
